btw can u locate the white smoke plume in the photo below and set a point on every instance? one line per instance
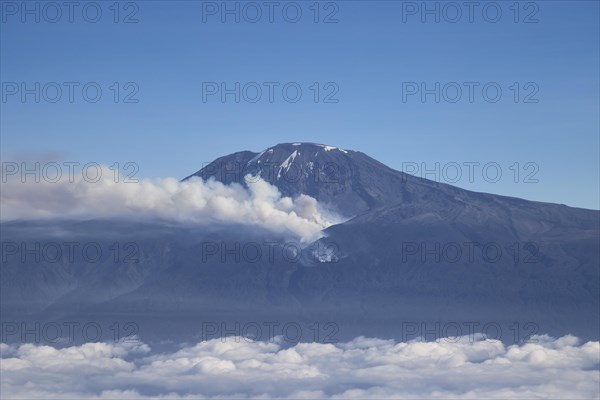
(193, 201)
(361, 369)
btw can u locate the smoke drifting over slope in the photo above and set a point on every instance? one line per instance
(194, 201)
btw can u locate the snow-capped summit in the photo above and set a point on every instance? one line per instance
(300, 160)
(348, 182)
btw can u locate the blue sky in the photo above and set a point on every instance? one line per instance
(370, 56)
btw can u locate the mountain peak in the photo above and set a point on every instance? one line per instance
(347, 182)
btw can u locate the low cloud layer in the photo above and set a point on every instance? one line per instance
(192, 201)
(362, 369)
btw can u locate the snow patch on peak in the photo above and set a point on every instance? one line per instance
(329, 148)
(288, 161)
(256, 157)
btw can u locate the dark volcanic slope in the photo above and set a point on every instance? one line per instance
(423, 250)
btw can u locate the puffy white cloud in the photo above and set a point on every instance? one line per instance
(194, 201)
(363, 368)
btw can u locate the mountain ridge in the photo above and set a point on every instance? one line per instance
(223, 169)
